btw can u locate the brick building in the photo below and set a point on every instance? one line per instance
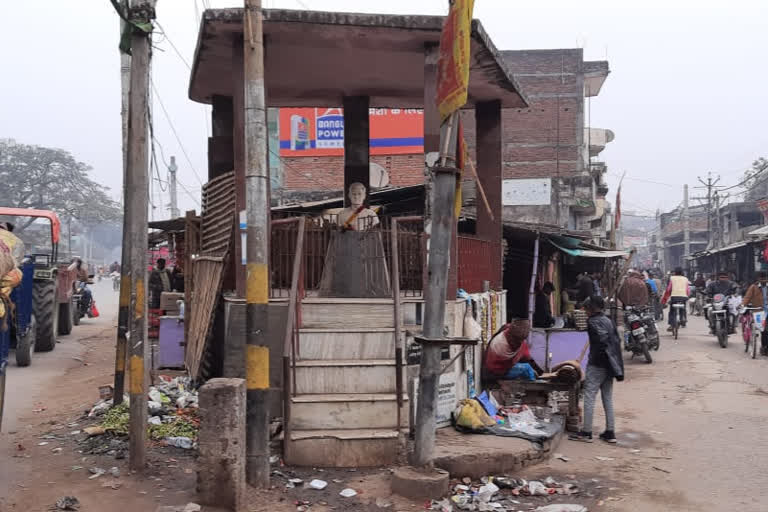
(549, 173)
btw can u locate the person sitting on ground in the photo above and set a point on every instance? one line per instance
(605, 364)
(508, 354)
(542, 316)
(678, 291)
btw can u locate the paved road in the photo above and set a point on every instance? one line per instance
(47, 367)
(698, 412)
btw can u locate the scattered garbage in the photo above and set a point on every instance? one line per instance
(561, 457)
(43, 443)
(604, 459)
(318, 484)
(274, 459)
(94, 431)
(57, 450)
(95, 473)
(192, 507)
(661, 469)
(106, 392)
(383, 503)
(562, 508)
(155, 420)
(348, 493)
(114, 471)
(180, 442)
(442, 506)
(486, 492)
(67, 503)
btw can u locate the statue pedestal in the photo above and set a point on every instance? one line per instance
(355, 266)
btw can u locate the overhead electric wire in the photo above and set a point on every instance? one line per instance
(175, 133)
(165, 34)
(757, 173)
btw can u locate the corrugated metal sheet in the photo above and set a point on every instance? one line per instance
(216, 230)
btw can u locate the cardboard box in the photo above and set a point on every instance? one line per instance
(168, 300)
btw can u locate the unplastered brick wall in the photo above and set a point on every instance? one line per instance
(327, 172)
(545, 139)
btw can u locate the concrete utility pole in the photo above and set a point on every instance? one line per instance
(709, 185)
(686, 226)
(125, 286)
(257, 248)
(718, 231)
(172, 188)
(137, 194)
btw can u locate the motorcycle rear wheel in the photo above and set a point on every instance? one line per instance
(755, 343)
(646, 352)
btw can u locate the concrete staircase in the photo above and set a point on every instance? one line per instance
(344, 412)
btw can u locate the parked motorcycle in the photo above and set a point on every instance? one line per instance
(718, 314)
(636, 336)
(651, 332)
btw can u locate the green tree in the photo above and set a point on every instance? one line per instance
(52, 179)
(756, 180)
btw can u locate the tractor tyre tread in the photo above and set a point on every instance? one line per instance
(45, 310)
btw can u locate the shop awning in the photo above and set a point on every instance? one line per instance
(730, 247)
(575, 247)
(759, 233)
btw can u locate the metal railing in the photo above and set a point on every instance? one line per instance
(293, 320)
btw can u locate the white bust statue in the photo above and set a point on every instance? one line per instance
(356, 216)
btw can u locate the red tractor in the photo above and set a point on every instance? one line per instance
(53, 281)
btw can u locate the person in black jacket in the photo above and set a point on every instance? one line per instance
(605, 364)
(542, 314)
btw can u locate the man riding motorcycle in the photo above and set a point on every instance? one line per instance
(723, 286)
(82, 282)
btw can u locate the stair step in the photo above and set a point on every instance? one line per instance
(342, 448)
(347, 313)
(354, 343)
(346, 434)
(345, 376)
(346, 411)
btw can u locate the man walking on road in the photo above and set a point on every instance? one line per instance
(605, 364)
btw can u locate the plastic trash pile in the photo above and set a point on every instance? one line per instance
(502, 494)
(172, 413)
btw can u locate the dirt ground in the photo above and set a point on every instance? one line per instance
(689, 428)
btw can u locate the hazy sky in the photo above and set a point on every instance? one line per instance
(686, 93)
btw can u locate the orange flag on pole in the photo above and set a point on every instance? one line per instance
(453, 60)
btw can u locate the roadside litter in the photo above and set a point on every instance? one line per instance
(67, 503)
(500, 494)
(172, 416)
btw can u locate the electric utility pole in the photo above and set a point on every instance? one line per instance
(172, 168)
(257, 249)
(709, 185)
(686, 227)
(140, 15)
(125, 289)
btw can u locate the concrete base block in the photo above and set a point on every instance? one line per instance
(221, 444)
(419, 484)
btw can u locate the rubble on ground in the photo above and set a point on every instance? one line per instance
(502, 494)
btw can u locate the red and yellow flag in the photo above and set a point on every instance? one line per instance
(453, 61)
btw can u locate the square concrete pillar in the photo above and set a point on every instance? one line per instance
(356, 143)
(221, 444)
(489, 169)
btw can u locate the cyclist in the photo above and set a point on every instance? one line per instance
(678, 291)
(757, 297)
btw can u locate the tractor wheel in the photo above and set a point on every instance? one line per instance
(25, 344)
(65, 318)
(46, 312)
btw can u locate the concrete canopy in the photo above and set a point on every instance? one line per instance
(313, 59)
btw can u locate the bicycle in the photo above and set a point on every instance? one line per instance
(752, 330)
(674, 316)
